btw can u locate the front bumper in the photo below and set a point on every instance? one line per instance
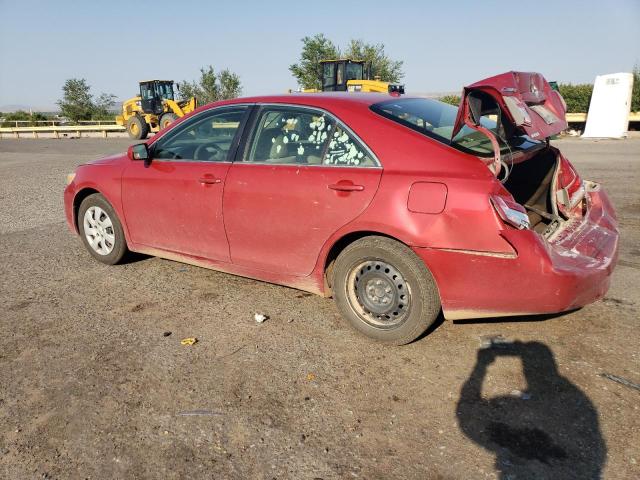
(569, 271)
(69, 194)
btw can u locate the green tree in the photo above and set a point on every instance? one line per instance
(230, 85)
(577, 97)
(308, 70)
(378, 61)
(22, 116)
(77, 103)
(635, 96)
(451, 99)
(102, 106)
(212, 86)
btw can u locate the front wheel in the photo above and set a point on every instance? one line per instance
(101, 230)
(137, 128)
(385, 291)
(167, 119)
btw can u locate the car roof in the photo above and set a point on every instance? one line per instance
(324, 99)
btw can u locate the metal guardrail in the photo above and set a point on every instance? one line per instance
(582, 117)
(55, 122)
(56, 130)
(576, 117)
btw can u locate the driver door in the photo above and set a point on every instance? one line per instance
(150, 102)
(174, 202)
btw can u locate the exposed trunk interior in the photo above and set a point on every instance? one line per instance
(531, 180)
(530, 183)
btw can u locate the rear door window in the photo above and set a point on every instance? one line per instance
(344, 149)
(294, 135)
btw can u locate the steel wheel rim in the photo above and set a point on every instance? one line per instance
(379, 294)
(98, 230)
(134, 128)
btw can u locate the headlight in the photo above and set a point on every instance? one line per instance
(70, 177)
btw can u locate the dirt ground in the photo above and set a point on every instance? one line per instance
(93, 386)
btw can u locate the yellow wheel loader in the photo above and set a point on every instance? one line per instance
(154, 109)
(352, 76)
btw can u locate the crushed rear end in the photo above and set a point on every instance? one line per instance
(562, 229)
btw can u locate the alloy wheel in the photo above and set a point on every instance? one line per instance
(98, 230)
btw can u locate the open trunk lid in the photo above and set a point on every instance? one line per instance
(529, 104)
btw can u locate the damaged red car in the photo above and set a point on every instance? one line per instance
(399, 208)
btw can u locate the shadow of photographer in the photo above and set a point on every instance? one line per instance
(549, 431)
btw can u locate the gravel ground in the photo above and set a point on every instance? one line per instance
(93, 386)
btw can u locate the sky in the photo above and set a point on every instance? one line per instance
(444, 45)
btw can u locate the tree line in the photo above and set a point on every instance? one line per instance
(577, 97)
(308, 70)
(78, 103)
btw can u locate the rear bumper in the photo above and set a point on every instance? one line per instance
(569, 271)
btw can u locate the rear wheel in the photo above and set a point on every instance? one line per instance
(137, 128)
(385, 291)
(100, 230)
(167, 119)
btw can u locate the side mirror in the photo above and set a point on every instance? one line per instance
(139, 151)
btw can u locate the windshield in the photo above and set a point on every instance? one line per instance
(437, 119)
(354, 71)
(165, 91)
(146, 91)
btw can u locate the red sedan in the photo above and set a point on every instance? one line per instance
(397, 207)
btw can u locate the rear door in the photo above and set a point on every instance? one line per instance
(529, 104)
(302, 176)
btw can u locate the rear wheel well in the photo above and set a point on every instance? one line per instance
(338, 247)
(77, 200)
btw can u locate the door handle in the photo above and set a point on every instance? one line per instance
(346, 187)
(209, 180)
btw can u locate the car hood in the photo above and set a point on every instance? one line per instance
(529, 103)
(106, 160)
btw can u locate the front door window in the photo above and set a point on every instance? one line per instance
(205, 138)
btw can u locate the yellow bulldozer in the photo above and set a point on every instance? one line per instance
(347, 75)
(154, 109)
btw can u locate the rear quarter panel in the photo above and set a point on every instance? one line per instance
(468, 220)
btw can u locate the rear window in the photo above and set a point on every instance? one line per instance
(436, 119)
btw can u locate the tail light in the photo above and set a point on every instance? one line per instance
(510, 212)
(569, 189)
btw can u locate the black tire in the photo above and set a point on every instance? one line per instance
(137, 128)
(167, 119)
(118, 245)
(385, 269)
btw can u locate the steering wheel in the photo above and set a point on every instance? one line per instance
(206, 148)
